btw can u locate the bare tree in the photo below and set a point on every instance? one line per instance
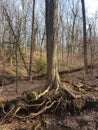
(84, 36)
(16, 36)
(24, 26)
(32, 41)
(52, 38)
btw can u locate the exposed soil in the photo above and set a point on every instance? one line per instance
(69, 119)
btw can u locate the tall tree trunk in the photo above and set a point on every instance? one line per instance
(51, 40)
(91, 47)
(32, 40)
(24, 27)
(16, 53)
(84, 37)
(11, 46)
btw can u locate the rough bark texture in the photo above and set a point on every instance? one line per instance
(84, 36)
(52, 38)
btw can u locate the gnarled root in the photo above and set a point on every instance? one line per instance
(32, 104)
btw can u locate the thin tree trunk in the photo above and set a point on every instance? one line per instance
(4, 57)
(16, 53)
(84, 37)
(32, 42)
(91, 48)
(42, 44)
(8, 19)
(24, 27)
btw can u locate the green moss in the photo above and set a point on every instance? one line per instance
(31, 95)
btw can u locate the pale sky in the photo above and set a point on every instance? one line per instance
(92, 6)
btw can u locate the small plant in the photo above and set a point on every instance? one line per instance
(41, 66)
(31, 95)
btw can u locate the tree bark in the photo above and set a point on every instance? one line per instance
(84, 37)
(24, 27)
(91, 47)
(52, 42)
(32, 42)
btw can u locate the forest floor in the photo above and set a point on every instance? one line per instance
(69, 119)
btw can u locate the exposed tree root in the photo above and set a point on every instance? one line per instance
(38, 126)
(70, 91)
(43, 93)
(33, 95)
(7, 114)
(32, 104)
(32, 115)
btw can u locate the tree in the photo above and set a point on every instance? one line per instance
(32, 42)
(84, 37)
(72, 29)
(24, 26)
(16, 36)
(52, 42)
